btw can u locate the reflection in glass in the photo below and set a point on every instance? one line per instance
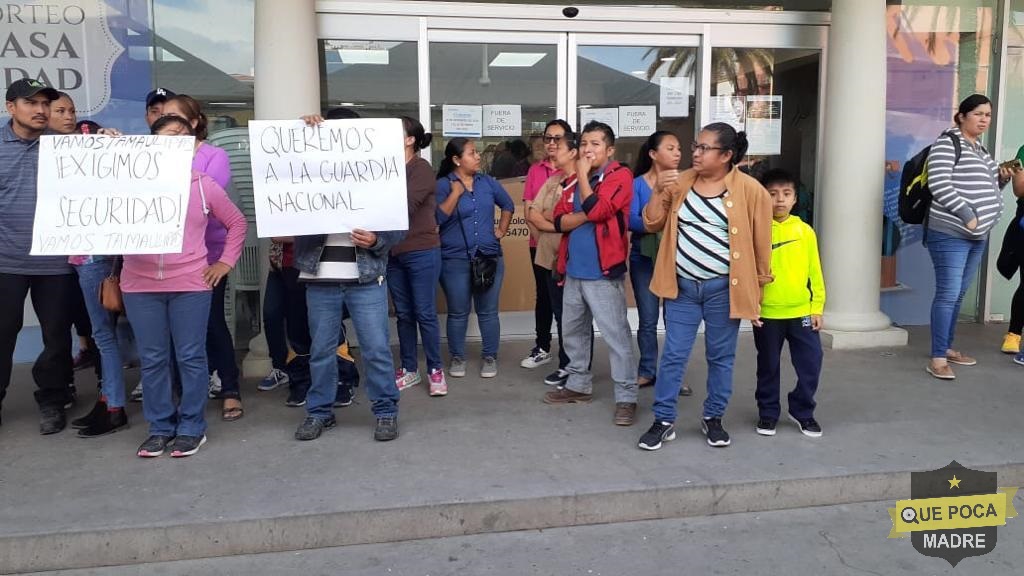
(373, 78)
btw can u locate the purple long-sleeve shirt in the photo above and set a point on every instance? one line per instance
(213, 161)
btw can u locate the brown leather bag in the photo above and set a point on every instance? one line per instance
(110, 289)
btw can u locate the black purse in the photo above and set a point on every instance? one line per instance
(482, 269)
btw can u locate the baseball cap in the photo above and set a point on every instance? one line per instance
(158, 95)
(26, 88)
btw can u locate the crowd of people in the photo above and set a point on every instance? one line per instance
(706, 245)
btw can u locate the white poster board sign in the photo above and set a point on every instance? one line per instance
(100, 195)
(637, 121)
(330, 178)
(729, 109)
(459, 120)
(503, 120)
(764, 125)
(609, 116)
(675, 97)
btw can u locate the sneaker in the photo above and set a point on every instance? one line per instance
(438, 384)
(557, 378)
(809, 426)
(625, 413)
(296, 398)
(658, 432)
(563, 395)
(457, 369)
(343, 397)
(85, 358)
(386, 428)
(136, 395)
(766, 427)
(215, 385)
(716, 434)
(1019, 359)
(153, 446)
(490, 368)
(1011, 343)
(275, 379)
(537, 357)
(405, 379)
(183, 446)
(312, 427)
(685, 390)
(109, 422)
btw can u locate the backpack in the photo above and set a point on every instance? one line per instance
(915, 197)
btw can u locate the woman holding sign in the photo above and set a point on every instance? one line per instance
(167, 298)
(471, 263)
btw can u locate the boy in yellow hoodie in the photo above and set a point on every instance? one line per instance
(791, 310)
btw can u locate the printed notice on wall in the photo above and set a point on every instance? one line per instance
(637, 121)
(503, 120)
(104, 195)
(329, 178)
(459, 120)
(764, 125)
(729, 109)
(609, 116)
(675, 97)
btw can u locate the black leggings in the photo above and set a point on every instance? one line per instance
(1017, 307)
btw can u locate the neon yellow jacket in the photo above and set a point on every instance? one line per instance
(799, 288)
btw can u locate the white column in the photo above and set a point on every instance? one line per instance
(287, 85)
(853, 177)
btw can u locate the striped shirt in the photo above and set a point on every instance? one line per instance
(337, 261)
(702, 244)
(964, 192)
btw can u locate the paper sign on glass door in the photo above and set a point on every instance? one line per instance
(729, 109)
(637, 121)
(609, 116)
(503, 120)
(675, 97)
(460, 120)
(764, 125)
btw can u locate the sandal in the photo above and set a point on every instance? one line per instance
(232, 413)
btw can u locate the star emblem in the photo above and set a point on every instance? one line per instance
(954, 483)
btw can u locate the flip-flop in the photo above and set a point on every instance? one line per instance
(232, 414)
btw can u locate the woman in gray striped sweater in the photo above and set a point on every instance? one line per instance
(966, 204)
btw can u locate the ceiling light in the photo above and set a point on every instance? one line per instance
(669, 59)
(517, 59)
(355, 56)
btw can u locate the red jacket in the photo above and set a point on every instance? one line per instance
(608, 209)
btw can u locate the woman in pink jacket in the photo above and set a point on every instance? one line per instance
(167, 298)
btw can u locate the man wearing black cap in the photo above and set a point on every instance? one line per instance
(49, 278)
(155, 104)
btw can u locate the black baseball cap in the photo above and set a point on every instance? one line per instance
(26, 88)
(158, 95)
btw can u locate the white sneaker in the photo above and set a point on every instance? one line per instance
(136, 395)
(537, 357)
(215, 385)
(273, 380)
(405, 379)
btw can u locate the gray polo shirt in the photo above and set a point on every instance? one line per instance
(19, 166)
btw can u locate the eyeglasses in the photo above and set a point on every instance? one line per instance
(703, 148)
(552, 139)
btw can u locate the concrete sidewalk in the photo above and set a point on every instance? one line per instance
(491, 457)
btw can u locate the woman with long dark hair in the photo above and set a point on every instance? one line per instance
(466, 200)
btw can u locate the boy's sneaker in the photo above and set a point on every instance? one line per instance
(766, 427)
(154, 446)
(386, 428)
(489, 368)
(343, 397)
(186, 445)
(296, 398)
(457, 369)
(808, 426)
(438, 385)
(538, 357)
(716, 434)
(405, 379)
(312, 427)
(658, 432)
(215, 385)
(136, 395)
(275, 379)
(557, 378)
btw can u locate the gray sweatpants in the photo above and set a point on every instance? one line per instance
(603, 301)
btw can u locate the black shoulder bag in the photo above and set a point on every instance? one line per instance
(482, 269)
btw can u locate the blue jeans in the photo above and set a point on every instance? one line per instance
(707, 301)
(158, 318)
(459, 296)
(368, 305)
(412, 280)
(956, 261)
(90, 277)
(648, 307)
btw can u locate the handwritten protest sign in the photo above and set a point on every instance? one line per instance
(104, 195)
(330, 178)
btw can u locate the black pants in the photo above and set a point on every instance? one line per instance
(51, 298)
(220, 348)
(1017, 307)
(542, 312)
(805, 351)
(80, 316)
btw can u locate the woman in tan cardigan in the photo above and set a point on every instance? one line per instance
(713, 259)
